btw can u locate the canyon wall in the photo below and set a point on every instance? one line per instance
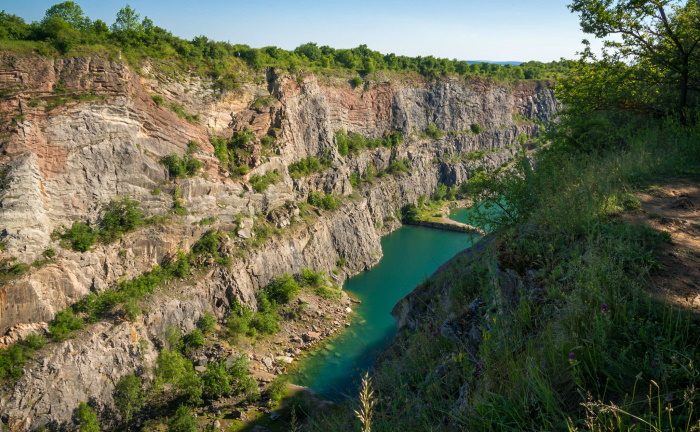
(80, 132)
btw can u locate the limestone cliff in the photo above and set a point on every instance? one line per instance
(78, 132)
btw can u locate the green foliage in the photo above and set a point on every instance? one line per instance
(173, 368)
(192, 147)
(87, 419)
(354, 143)
(658, 40)
(410, 213)
(128, 396)
(193, 340)
(183, 420)
(9, 268)
(323, 200)
(309, 165)
(13, 357)
(64, 324)
(120, 216)
(433, 132)
(239, 320)
(158, 99)
(181, 167)
(216, 380)
(278, 389)
(261, 183)
(476, 128)
(356, 82)
(398, 166)
(207, 323)
(81, 236)
(283, 289)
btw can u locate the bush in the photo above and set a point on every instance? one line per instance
(207, 323)
(261, 183)
(81, 236)
(183, 420)
(158, 100)
(356, 82)
(181, 167)
(398, 166)
(128, 395)
(63, 324)
(13, 357)
(309, 165)
(193, 340)
(120, 216)
(87, 419)
(433, 132)
(216, 380)
(267, 323)
(476, 128)
(310, 278)
(283, 289)
(323, 200)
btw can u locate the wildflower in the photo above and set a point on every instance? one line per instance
(669, 396)
(604, 308)
(572, 356)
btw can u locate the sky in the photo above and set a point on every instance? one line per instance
(505, 30)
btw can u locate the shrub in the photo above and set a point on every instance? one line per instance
(192, 147)
(398, 166)
(278, 389)
(81, 236)
(183, 420)
(193, 340)
(87, 418)
(158, 100)
(128, 395)
(433, 132)
(323, 200)
(309, 165)
(216, 380)
(181, 167)
(239, 320)
(283, 289)
(120, 216)
(310, 278)
(261, 183)
(356, 82)
(63, 324)
(207, 323)
(476, 128)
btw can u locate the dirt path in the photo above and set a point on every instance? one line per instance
(673, 206)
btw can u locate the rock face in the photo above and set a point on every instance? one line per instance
(79, 132)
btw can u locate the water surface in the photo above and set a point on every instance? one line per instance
(411, 254)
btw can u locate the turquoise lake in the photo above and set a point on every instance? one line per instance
(411, 255)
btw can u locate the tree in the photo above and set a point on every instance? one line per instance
(12, 27)
(128, 396)
(183, 420)
(127, 21)
(70, 12)
(662, 37)
(87, 418)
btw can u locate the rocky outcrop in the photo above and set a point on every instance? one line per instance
(82, 131)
